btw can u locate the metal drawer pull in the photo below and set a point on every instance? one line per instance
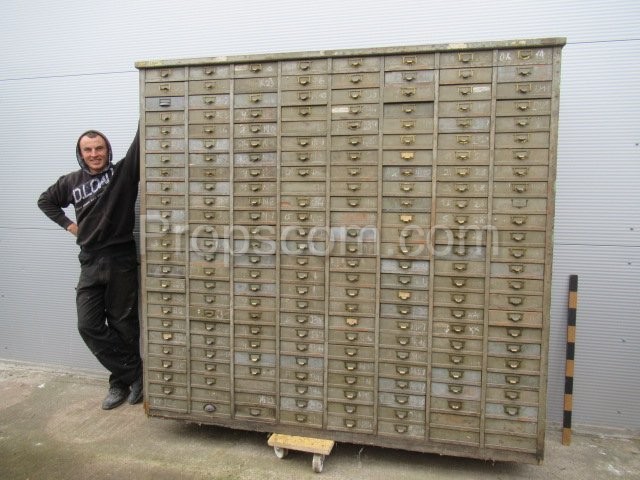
(407, 92)
(457, 344)
(354, 262)
(255, 412)
(457, 329)
(304, 64)
(256, 113)
(355, 94)
(402, 370)
(410, 60)
(209, 115)
(304, 141)
(464, 91)
(302, 361)
(255, 143)
(302, 216)
(165, 131)
(165, 102)
(514, 348)
(524, 88)
(461, 219)
(409, 76)
(512, 379)
(352, 292)
(407, 155)
(355, 62)
(465, 57)
(303, 172)
(464, 122)
(302, 304)
(521, 138)
(404, 295)
(516, 301)
(303, 157)
(456, 359)
(460, 267)
(404, 310)
(516, 284)
(350, 366)
(255, 215)
(255, 128)
(512, 394)
(167, 350)
(463, 139)
(349, 423)
(302, 260)
(456, 389)
(255, 287)
(401, 428)
(351, 395)
(515, 316)
(401, 414)
(456, 374)
(515, 268)
(408, 124)
(514, 332)
(455, 405)
(304, 80)
(521, 220)
(402, 355)
(355, 78)
(302, 333)
(167, 364)
(352, 277)
(167, 390)
(522, 106)
(255, 329)
(406, 218)
(458, 314)
(355, 141)
(402, 399)
(255, 67)
(512, 411)
(302, 290)
(255, 302)
(255, 202)
(351, 321)
(302, 347)
(351, 336)
(167, 377)
(167, 336)
(255, 187)
(403, 340)
(349, 380)
(255, 98)
(351, 307)
(304, 111)
(404, 280)
(459, 282)
(462, 187)
(304, 96)
(302, 275)
(407, 139)
(517, 252)
(464, 107)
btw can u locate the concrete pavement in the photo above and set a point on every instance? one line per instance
(52, 427)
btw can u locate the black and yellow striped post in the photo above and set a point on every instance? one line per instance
(569, 364)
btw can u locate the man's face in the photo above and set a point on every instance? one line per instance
(94, 153)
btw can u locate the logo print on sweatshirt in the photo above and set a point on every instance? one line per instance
(89, 191)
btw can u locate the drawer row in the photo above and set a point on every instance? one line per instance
(517, 140)
(421, 78)
(392, 126)
(424, 92)
(215, 165)
(392, 62)
(389, 115)
(247, 281)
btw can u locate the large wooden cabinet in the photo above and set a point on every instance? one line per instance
(353, 244)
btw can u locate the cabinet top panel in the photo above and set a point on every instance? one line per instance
(412, 49)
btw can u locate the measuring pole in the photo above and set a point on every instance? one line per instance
(569, 364)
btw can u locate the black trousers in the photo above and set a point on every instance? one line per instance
(107, 303)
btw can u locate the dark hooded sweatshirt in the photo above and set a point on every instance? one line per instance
(104, 202)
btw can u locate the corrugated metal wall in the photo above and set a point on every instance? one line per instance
(68, 66)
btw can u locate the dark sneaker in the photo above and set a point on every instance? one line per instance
(115, 397)
(135, 395)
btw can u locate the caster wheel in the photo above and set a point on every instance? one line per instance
(318, 463)
(280, 452)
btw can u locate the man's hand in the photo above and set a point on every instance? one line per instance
(73, 229)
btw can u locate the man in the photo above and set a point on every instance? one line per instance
(104, 196)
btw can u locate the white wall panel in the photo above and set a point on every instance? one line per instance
(68, 66)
